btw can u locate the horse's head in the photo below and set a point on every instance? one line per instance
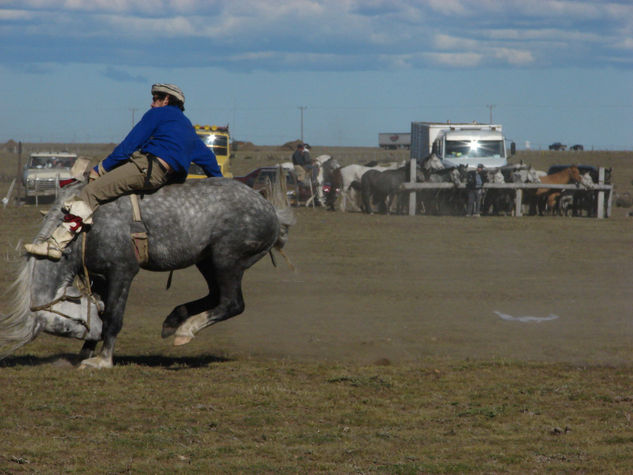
(458, 174)
(455, 175)
(433, 162)
(574, 174)
(45, 298)
(587, 181)
(532, 175)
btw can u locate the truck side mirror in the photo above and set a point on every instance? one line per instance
(513, 148)
(435, 148)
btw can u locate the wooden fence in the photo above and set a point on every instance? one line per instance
(604, 191)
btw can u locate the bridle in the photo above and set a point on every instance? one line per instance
(83, 287)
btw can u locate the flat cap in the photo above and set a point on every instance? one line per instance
(170, 89)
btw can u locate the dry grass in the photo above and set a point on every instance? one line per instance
(154, 415)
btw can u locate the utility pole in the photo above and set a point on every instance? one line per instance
(302, 108)
(490, 106)
(133, 111)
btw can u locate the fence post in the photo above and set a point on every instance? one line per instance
(600, 210)
(518, 203)
(413, 193)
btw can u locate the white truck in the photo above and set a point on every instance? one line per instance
(43, 171)
(460, 143)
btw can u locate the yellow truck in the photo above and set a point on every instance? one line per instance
(217, 138)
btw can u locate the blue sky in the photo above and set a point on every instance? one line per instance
(548, 70)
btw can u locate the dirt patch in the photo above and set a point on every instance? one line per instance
(400, 288)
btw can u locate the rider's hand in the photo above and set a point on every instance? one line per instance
(93, 175)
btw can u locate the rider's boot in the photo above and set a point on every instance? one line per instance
(78, 214)
(54, 245)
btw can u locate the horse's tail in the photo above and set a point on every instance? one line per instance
(278, 196)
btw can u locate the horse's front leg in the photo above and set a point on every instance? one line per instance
(88, 350)
(118, 290)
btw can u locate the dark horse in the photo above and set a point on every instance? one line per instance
(219, 225)
(383, 187)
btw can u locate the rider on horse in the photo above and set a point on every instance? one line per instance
(157, 150)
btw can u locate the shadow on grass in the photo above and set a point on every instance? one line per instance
(160, 361)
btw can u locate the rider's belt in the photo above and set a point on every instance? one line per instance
(154, 158)
(151, 159)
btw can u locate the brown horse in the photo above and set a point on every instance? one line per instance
(550, 196)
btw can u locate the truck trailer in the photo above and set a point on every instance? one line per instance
(458, 144)
(394, 140)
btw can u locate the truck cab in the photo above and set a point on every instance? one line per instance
(463, 143)
(472, 147)
(218, 139)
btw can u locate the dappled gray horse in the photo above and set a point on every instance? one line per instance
(219, 225)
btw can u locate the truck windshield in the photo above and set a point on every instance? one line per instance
(217, 142)
(474, 148)
(51, 162)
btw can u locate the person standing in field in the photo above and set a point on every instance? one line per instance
(475, 185)
(299, 162)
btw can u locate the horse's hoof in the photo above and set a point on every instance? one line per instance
(96, 363)
(168, 331)
(180, 340)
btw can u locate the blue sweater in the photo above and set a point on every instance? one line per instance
(167, 133)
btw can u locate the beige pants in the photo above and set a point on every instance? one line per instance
(301, 173)
(131, 176)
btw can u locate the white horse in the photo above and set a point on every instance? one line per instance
(325, 166)
(528, 175)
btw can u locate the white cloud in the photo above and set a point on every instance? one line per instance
(449, 7)
(544, 34)
(328, 33)
(14, 15)
(447, 42)
(456, 60)
(627, 43)
(514, 57)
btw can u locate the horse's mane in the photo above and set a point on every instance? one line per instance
(18, 327)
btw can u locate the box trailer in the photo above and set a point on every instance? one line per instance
(394, 140)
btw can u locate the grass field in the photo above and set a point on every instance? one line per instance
(380, 354)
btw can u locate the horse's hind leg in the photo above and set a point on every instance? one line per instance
(182, 312)
(231, 303)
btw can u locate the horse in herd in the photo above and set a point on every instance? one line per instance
(384, 188)
(378, 188)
